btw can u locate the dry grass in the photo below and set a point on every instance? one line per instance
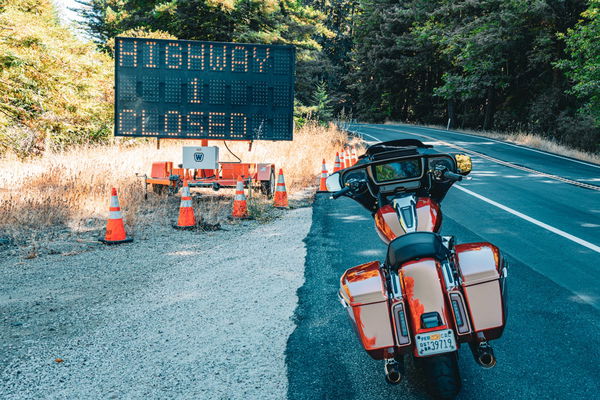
(68, 192)
(531, 140)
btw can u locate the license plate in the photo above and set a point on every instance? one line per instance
(435, 342)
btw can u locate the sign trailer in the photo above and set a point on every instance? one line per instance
(181, 89)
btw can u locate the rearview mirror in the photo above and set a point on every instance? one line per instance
(463, 163)
(333, 182)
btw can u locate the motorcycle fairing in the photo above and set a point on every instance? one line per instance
(407, 214)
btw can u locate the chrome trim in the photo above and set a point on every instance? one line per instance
(394, 370)
(406, 204)
(483, 354)
(448, 242)
(341, 299)
(396, 286)
(448, 273)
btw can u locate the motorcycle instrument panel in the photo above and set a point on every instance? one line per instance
(397, 171)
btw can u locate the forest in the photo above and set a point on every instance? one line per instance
(497, 65)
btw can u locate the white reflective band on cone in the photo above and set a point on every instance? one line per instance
(186, 203)
(240, 197)
(114, 215)
(114, 201)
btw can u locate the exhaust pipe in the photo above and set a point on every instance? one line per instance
(483, 354)
(393, 371)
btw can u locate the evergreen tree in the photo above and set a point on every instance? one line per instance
(254, 21)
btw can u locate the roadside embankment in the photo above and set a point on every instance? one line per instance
(50, 204)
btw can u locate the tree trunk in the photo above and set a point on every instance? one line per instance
(488, 122)
(451, 114)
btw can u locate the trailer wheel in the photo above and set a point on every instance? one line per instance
(268, 187)
(442, 375)
(158, 189)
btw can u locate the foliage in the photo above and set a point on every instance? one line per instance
(55, 89)
(583, 62)
(482, 64)
(507, 65)
(252, 21)
(320, 110)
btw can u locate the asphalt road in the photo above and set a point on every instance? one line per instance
(550, 231)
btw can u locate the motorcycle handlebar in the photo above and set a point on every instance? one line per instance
(452, 176)
(341, 192)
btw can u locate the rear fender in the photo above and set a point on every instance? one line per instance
(424, 294)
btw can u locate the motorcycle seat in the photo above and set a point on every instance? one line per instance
(415, 245)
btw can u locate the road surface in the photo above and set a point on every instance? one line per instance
(539, 209)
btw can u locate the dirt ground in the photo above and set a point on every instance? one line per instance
(175, 314)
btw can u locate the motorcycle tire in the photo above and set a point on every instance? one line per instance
(443, 377)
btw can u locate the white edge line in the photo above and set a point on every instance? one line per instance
(365, 134)
(495, 160)
(534, 221)
(502, 142)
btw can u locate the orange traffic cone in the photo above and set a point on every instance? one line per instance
(115, 230)
(354, 158)
(187, 219)
(342, 161)
(336, 165)
(347, 161)
(322, 184)
(240, 207)
(281, 200)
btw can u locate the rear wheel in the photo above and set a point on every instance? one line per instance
(442, 375)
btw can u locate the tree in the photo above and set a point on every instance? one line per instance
(254, 21)
(583, 62)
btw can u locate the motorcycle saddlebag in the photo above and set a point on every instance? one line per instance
(364, 296)
(482, 274)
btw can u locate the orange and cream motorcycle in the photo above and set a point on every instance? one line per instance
(430, 295)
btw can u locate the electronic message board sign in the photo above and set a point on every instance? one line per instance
(203, 90)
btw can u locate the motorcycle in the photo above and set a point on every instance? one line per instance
(430, 294)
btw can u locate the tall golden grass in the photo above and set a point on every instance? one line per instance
(69, 190)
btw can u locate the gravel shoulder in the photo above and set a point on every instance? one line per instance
(203, 315)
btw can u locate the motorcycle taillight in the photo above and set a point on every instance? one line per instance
(402, 332)
(460, 314)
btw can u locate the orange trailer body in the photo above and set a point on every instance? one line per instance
(163, 176)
